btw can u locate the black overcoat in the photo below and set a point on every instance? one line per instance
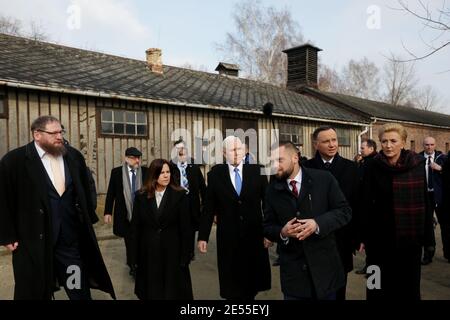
(346, 173)
(25, 217)
(243, 262)
(115, 201)
(317, 256)
(161, 246)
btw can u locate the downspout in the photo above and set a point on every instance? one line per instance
(360, 135)
(371, 127)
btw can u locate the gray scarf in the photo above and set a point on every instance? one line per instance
(127, 187)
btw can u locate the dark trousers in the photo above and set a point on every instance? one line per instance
(67, 261)
(400, 274)
(429, 238)
(340, 293)
(127, 240)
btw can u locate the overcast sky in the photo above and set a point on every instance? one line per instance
(187, 30)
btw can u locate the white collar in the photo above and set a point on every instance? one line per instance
(161, 192)
(240, 166)
(430, 155)
(40, 151)
(325, 161)
(297, 178)
(179, 164)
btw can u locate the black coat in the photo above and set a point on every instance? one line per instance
(161, 246)
(115, 199)
(243, 262)
(25, 217)
(446, 187)
(197, 190)
(440, 159)
(347, 175)
(320, 199)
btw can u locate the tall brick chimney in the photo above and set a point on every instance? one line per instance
(302, 66)
(154, 61)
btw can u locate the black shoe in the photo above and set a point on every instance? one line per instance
(426, 261)
(276, 263)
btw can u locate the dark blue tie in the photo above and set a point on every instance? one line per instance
(133, 184)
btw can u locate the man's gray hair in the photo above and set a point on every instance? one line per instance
(230, 139)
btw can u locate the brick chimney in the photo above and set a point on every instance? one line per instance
(154, 61)
(302, 66)
(228, 69)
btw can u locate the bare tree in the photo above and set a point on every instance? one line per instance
(37, 32)
(14, 27)
(195, 67)
(10, 26)
(435, 18)
(361, 79)
(329, 79)
(425, 98)
(261, 34)
(400, 80)
(357, 78)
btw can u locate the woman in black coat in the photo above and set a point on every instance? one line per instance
(161, 237)
(395, 200)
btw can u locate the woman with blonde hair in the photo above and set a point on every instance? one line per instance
(395, 197)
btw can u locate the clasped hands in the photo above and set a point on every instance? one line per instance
(299, 228)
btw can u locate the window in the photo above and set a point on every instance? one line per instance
(344, 138)
(123, 123)
(291, 132)
(3, 103)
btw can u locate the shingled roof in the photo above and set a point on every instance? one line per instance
(55, 67)
(381, 110)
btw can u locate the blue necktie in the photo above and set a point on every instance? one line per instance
(133, 184)
(184, 179)
(237, 181)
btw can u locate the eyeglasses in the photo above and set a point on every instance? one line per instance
(54, 133)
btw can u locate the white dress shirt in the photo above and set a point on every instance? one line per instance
(130, 174)
(330, 161)
(426, 164)
(46, 162)
(298, 179)
(159, 196)
(233, 174)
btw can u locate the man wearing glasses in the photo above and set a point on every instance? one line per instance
(46, 218)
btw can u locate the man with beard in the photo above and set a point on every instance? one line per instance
(189, 176)
(327, 158)
(303, 208)
(235, 194)
(124, 181)
(46, 218)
